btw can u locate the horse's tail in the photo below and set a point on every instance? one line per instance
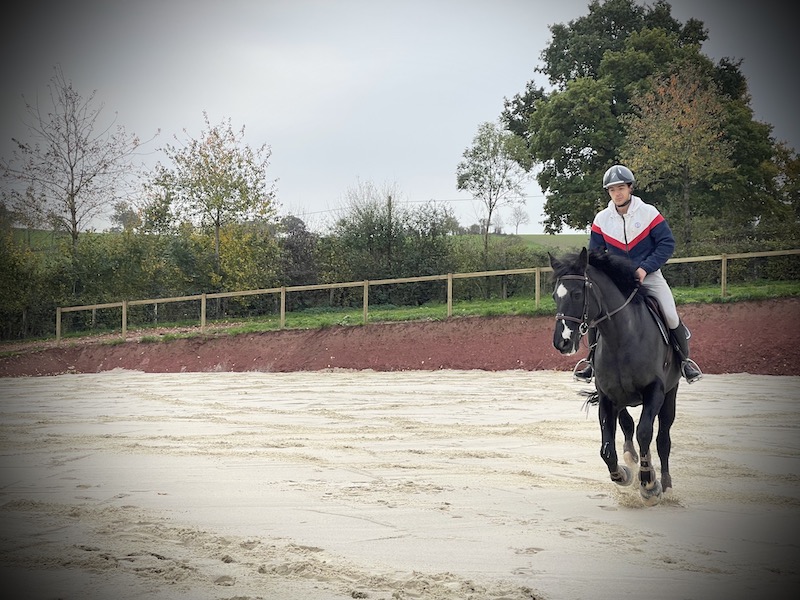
(592, 399)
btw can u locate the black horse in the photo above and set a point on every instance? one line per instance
(634, 364)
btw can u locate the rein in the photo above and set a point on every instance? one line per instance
(584, 322)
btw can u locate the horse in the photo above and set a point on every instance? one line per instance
(634, 364)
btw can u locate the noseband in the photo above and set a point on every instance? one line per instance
(584, 322)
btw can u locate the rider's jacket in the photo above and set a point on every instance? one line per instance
(641, 234)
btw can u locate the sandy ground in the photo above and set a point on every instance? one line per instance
(438, 485)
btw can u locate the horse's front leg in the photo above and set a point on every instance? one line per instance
(608, 414)
(649, 485)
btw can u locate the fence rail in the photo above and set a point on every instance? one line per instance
(366, 284)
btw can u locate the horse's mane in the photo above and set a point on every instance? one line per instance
(619, 269)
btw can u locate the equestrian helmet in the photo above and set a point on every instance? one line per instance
(617, 174)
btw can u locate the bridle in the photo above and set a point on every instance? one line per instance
(584, 322)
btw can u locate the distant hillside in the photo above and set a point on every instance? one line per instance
(561, 241)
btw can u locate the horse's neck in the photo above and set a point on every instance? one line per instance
(621, 323)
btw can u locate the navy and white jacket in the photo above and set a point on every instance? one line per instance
(641, 234)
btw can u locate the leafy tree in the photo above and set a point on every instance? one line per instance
(578, 49)
(602, 65)
(495, 170)
(250, 257)
(378, 237)
(297, 245)
(372, 228)
(576, 133)
(16, 270)
(125, 217)
(676, 140)
(215, 180)
(73, 168)
(782, 222)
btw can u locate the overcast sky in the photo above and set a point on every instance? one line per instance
(344, 91)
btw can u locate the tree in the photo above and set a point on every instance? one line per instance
(372, 227)
(73, 168)
(597, 63)
(297, 245)
(676, 140)
(579, 48)
(216, 180)
(519, 216)
(574, 136)
(494, 170)
(125, 217)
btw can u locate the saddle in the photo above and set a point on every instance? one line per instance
(658, 317)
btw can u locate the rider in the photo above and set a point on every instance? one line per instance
(630, 227)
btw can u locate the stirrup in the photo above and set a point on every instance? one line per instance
(691, 371)
(584, 374)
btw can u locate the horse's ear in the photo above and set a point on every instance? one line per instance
(553, 261)
(584, 256)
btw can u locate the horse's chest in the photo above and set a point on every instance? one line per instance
(622, 389)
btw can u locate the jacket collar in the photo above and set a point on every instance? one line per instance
(635, 204)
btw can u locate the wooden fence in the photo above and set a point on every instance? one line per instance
(366, 284)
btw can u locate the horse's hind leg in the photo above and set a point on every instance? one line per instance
(620, 474)
(666, 417)
(628, 449)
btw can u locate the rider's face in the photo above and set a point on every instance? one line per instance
(620, 193)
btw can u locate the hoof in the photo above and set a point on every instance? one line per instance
(666, 483)
(651, 496)
(623, 476)
(630, 455)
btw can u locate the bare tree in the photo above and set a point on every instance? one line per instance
(519, 216)
(71, 169)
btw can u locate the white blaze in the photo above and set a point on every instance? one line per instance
(561, 291)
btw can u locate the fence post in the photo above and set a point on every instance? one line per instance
(202, 313)
(283, 306)
(538, 287)
(366, 301)
(724, 276)
(449, 295)
(124, 319)
(58, 324)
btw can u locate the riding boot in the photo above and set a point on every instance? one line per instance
(680, 340)
(587, 373)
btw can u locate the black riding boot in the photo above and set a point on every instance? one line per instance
(587, 373)
(680, 340)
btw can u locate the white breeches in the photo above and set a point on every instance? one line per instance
(659, 288)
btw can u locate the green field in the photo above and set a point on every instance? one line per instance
(561, 241)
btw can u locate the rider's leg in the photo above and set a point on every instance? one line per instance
(679, 334)
(587, 372)
(680, 340)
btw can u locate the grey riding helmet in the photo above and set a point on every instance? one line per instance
(617, 174)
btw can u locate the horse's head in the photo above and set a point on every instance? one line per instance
(584, 282)
(571, 295)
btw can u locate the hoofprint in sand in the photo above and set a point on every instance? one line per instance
(438, 485)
